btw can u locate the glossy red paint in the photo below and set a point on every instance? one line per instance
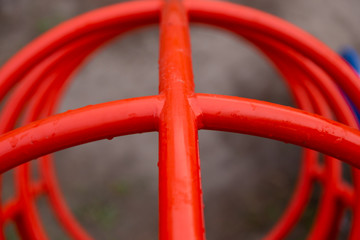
(180, 195)
(39, 74)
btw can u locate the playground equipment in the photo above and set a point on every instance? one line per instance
(35, 79)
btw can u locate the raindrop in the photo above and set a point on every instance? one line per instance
(13, 142)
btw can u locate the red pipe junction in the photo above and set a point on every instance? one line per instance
(36, 78)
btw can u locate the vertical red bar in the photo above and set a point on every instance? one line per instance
(180, 195)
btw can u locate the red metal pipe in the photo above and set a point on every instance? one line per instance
(234, 114)
(299, 82)
(135, 14)
(177, 112)
(180, 195)
(234, 17)
(67, 129)
(37, 110)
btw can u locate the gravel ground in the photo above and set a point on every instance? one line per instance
(111, 186)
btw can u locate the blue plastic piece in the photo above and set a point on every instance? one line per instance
(352, 57)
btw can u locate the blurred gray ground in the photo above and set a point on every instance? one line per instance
(111, 186)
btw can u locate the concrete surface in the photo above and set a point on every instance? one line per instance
(111, 186)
